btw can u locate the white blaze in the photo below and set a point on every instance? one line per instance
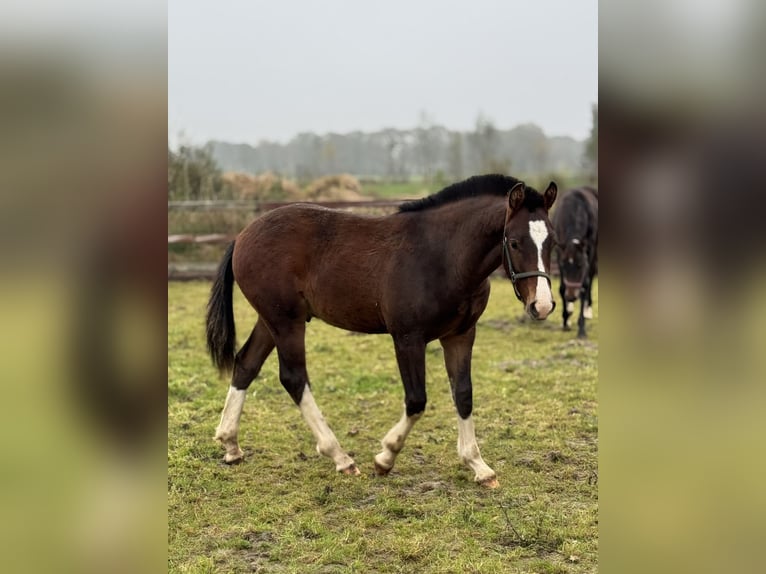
(539, 233)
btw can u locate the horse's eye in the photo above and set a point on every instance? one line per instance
(514, 244)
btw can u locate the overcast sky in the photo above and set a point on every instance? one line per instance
(249, 70)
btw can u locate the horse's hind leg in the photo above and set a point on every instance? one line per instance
(588, 313)
(457, 358)
(294, 378)
(411, 358)
(247, 365)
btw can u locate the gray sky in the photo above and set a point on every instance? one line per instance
(243, 71)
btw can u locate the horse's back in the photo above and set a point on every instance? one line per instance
(578, 205)
(316, 259)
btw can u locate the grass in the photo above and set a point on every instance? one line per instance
(399, 189)
(285, 509)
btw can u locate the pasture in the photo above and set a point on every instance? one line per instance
(285, 509)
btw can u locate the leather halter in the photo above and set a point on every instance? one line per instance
(585, 267)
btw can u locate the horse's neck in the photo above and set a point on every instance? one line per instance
(473, 232)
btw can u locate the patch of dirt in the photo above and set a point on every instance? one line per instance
(575, 343)
(513, 366)
(503, 325)
(432, 485)
(418, 456)
(258, 555)
(530, 461)
(557, 457)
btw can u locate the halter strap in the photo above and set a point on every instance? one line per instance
(586, 267)
(512, 275)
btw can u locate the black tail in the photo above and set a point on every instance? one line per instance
(221, 335)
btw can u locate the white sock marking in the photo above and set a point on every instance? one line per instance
(539, 233)
(327, 444)
(228, 428)
(393, 442)
(468, 450)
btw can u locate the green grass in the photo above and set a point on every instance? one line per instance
(285, 509)
(400, 189)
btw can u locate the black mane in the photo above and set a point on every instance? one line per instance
(493, 184)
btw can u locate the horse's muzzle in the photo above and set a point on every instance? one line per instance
(572, 290)
(542, 312)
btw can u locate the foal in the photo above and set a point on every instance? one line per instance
(420, 274)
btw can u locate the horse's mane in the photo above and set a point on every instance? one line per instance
(493, 184)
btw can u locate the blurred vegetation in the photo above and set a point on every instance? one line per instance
(591, 145)
(267, 186)
(193, 174)
(429, 151)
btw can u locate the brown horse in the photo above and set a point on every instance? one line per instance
(420, 274)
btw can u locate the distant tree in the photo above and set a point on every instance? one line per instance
(193, 174)
(426, 145)
(591, 146)
(485, 144)
(400, 154)
(393, 145)
(455, 160)
(329, 156)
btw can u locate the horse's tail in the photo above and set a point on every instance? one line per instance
(221, 335)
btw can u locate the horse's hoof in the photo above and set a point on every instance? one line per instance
(490, 482)
(381, 471)
(582, 335)
(234, 458)
(351, 470)
(566, 328)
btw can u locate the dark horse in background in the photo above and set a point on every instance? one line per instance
(419, 274)
(576, 223)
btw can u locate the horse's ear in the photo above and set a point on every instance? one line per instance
(550, 195)
(516, 196)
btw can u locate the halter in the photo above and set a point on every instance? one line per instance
(586, 266)
(512, 275)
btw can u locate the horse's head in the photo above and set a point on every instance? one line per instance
(527, 242)
(573, 264)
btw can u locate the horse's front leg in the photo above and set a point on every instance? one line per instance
(583, 312)
(411, 358)
(457, 358)
(588, 314)
(566, 308)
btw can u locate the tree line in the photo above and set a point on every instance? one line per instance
(429, 151)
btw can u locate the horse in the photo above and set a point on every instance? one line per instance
(419, 274)
(575, 221)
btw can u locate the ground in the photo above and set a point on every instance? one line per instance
(285, 509)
